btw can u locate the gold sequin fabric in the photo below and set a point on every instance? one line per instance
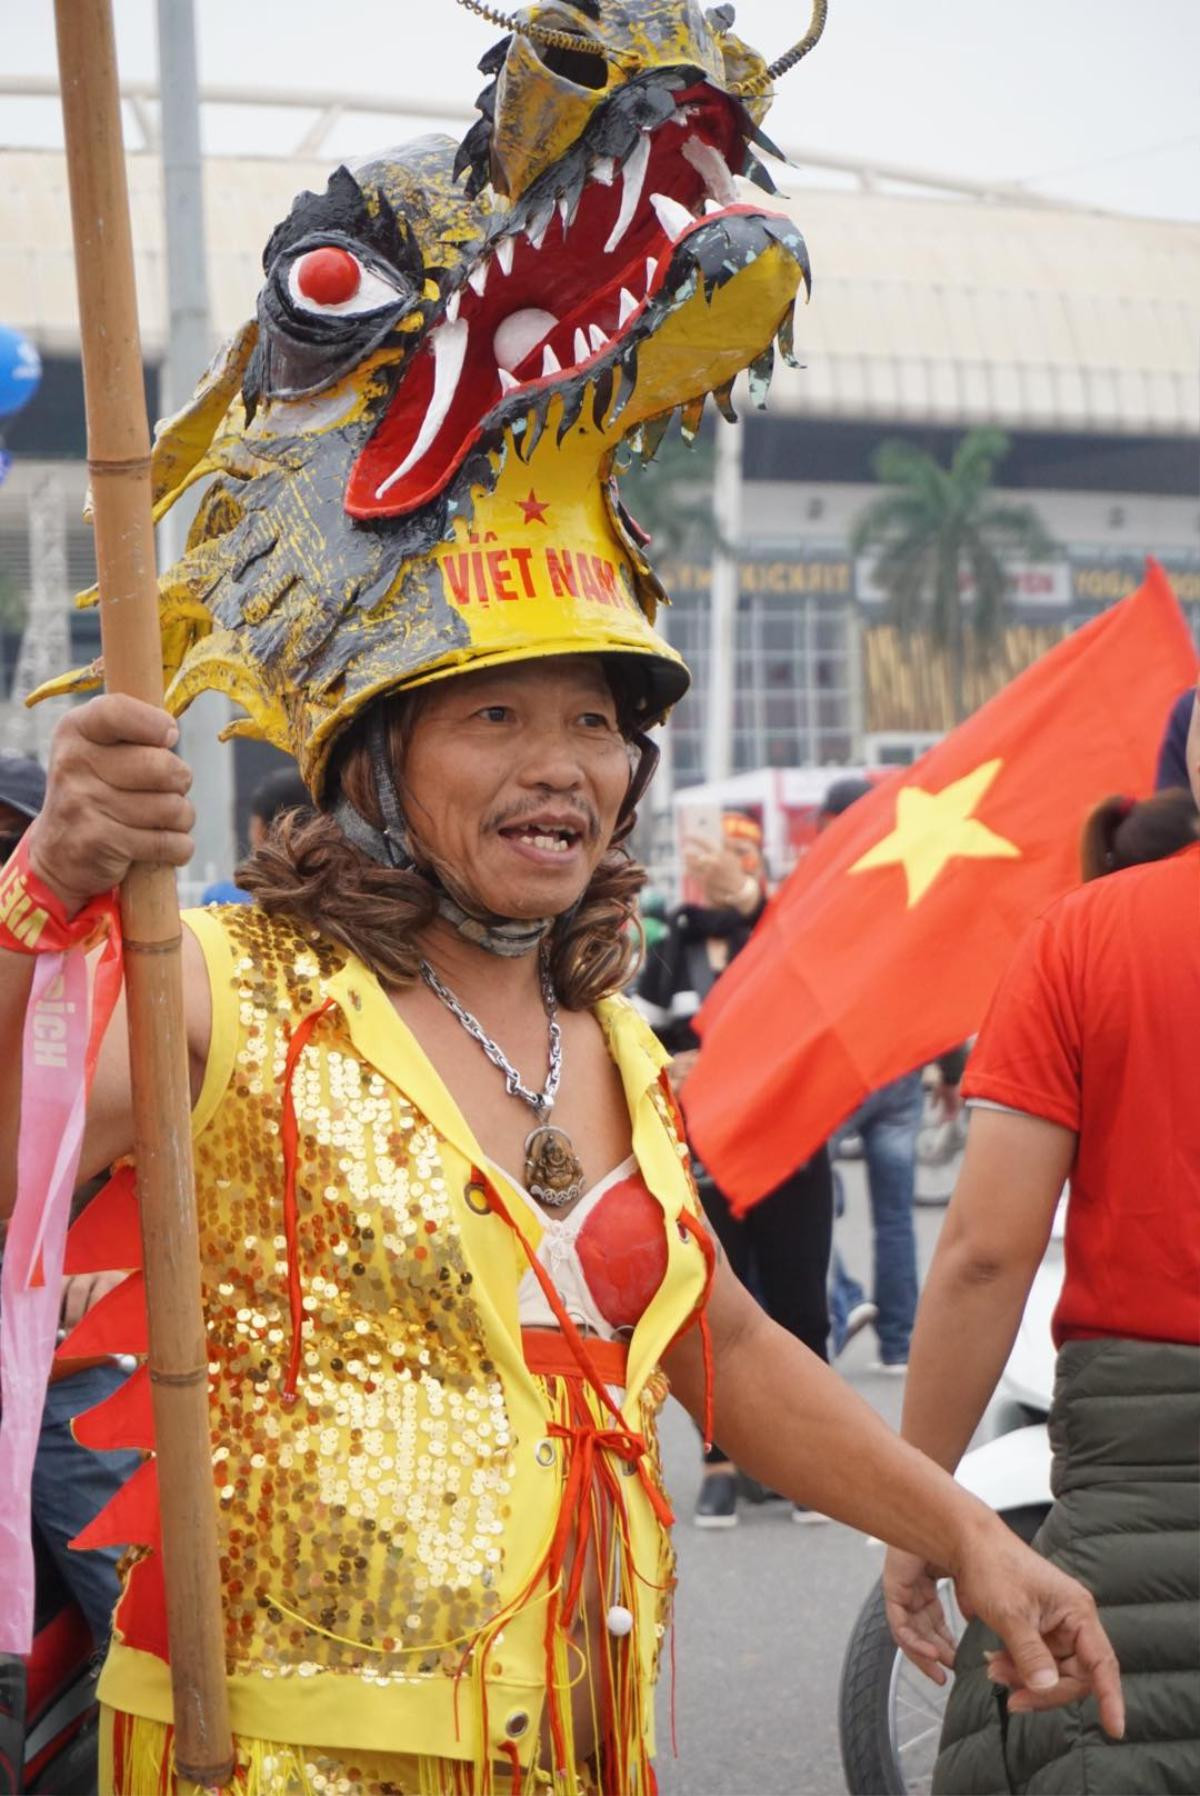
(362, 1527)
(137, 1758)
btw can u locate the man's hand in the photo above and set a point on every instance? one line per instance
(681, 1067)
(83, 1291)
(721, 875)
(1055, 1649)
(115, 794)
(915, 1614)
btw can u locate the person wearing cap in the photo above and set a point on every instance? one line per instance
(22, 790)
(887, 1123)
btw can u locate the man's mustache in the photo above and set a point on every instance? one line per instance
(579, 814)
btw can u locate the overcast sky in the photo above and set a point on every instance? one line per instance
(1093, 100)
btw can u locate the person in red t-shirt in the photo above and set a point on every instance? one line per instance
(1087, 1069)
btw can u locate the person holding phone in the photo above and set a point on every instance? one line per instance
(779, 1249)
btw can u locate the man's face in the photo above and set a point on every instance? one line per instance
(514, 778)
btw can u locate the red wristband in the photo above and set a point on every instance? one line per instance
(33, 920)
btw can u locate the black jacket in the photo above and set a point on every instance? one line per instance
(680, 963)
(1126, 1522)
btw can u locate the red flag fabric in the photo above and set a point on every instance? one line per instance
(882, 949)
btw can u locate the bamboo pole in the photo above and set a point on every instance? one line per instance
(119, 465)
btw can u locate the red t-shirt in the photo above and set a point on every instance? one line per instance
(1096, 1025)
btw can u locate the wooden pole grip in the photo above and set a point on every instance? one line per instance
(119, 460)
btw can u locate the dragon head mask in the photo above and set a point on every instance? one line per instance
(410, 449)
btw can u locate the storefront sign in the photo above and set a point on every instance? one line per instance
(1032, 584)
(1077, 581)
(1102, 579)
(789, 576)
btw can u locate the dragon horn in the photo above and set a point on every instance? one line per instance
(544, 34)
(782, 64)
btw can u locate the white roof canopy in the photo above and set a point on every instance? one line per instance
(925, 310)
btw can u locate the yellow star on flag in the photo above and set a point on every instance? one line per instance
(935, 827)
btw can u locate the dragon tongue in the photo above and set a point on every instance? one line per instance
(449, 346)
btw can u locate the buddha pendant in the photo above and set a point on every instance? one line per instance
(553, 1173)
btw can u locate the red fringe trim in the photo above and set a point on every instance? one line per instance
(125, 1419)
(130, 1518)
(592, 1497)
(698, 1229)
(289, 1133)
(514, 1758)
(108, 1233)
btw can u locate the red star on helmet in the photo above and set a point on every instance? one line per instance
(535, 509)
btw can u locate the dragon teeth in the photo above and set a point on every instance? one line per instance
(628, 306)
(711, 206)
(674, 218)
(603, 170)
(507, 381)
(449, 347)
(651, 271)
(504, 254)
(477, 279)
(452, 305)
(597, 336)
(633, 177)
(537, 236)
(582, 348)
(550, 362)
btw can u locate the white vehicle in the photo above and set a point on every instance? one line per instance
(889, 1713)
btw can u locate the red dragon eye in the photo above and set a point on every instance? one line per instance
(328, 276)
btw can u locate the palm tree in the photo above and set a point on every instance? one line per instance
(937, 525)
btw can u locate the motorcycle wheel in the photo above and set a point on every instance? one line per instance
(889, 1713)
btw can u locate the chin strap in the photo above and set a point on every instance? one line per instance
(391, 847)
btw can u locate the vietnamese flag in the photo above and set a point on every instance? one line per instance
(882, 949)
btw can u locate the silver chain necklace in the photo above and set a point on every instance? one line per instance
(553, 1173)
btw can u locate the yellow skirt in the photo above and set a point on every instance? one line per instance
(137, 1759)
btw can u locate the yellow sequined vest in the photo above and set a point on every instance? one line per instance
(375, 1529)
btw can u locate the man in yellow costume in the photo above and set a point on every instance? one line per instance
(452, 1251)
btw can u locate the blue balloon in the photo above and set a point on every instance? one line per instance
(20, 371)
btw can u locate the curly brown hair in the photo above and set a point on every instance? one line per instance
(308, 869)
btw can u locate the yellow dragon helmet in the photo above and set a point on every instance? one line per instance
(410, 449)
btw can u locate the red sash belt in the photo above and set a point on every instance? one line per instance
(549, 1355)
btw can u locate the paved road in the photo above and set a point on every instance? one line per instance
(764, 1609)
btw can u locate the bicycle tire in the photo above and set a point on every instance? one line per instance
(864, 1705)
